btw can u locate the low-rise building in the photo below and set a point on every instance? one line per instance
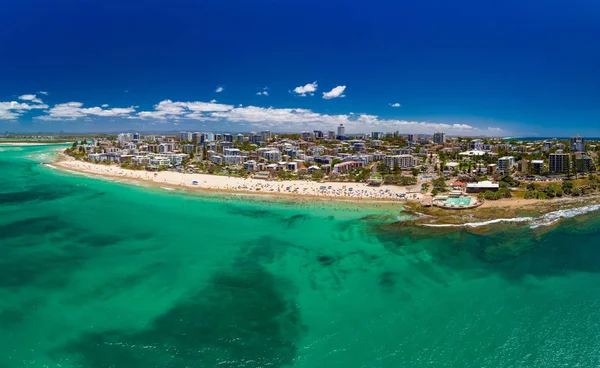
(347, 166)
(482, 186)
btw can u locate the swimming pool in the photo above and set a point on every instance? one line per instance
(461, 201)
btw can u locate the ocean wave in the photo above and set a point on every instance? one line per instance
(552, 217)
(484, 223)
(546, 220)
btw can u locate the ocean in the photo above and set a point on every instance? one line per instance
(96, 273)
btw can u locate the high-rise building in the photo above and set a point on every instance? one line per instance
(411, 138)
(265, 135)
(197, 138)
(331, 135)
(558, 163)
(318, 134)
(185, 136)
(577, 144)
(582, 163)
(377, 135)
(124, 138)
(239, 138)
(439, 138)
(307, 136)
(254, 137)
(227, 137)
(136, 137)
(341, 131)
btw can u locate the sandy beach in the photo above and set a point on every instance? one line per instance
(326, 190)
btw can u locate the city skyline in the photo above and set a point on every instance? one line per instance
(471, 70)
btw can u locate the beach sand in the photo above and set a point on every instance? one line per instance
(230, 184)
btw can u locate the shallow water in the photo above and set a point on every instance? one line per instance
(95, 273)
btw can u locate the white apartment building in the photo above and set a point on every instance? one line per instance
(506, 164)
(403, 161)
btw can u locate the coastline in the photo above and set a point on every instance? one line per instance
(288, 191)
(305, 192)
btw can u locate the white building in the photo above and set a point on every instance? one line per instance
(482, 186)
(506, 164)
(472, 153)
(476, 144)
(403, 161)
(232, 156)
(341, 131)
(124, 138)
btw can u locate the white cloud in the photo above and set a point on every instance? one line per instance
(396, 104)
(12, 110)
(337, 92)
(168, 109)
(262, 93)
(295, 119)
(32, 98)
(243, 117)
(75, 110)
(219, 89)
(310, 88)
(213, 101)
(43, 93)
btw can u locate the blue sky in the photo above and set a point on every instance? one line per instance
(468, 67)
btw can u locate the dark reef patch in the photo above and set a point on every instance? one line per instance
(245, 318)
(34, 226)
(44, 269)
(388, 279)
(326, 260)
(512, 253)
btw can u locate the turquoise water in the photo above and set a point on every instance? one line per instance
(462, 201)
(100, 274)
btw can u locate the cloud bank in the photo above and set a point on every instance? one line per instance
(12, 110)
(244, 118)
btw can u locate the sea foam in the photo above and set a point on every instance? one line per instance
(545, 220)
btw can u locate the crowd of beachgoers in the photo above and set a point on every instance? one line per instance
(238, 184)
